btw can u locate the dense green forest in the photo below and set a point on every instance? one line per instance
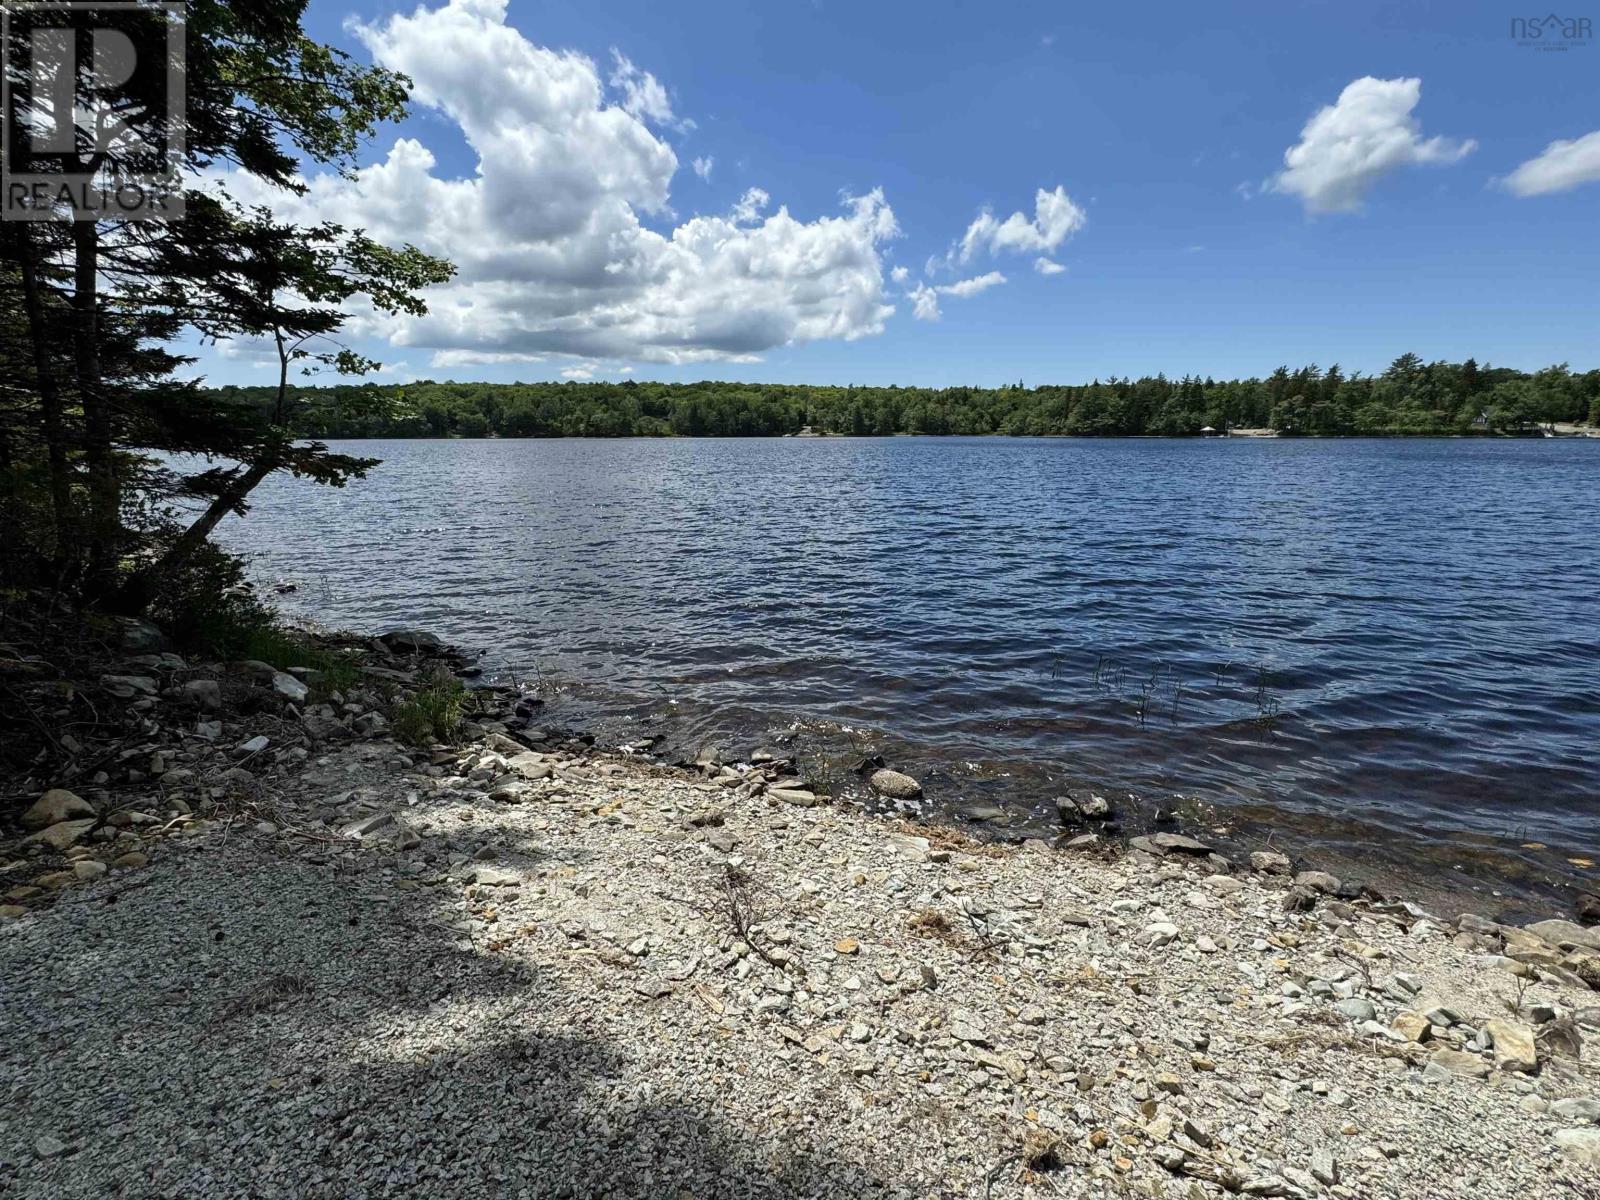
(1411, 397)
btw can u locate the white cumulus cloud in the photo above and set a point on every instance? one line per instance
(971, 287)
(1046, 266)
(1349, 145)
(702, 167)
(750, 206)
(548, 234)
(925, 297)
(1055, 219)
(643, 96)
(1561, 166)
(924, 302)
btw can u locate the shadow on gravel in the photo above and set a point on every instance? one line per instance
(234, 1025)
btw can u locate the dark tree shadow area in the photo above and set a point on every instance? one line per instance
(235, 1024)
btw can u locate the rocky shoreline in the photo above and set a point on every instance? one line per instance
(264, 948)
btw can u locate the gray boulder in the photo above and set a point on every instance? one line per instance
(138, 637)
(1319, 881)
(55, 806)
(894, 785)
(1566, 933)
(1580, 1145)
(203, 693)
(1270, 862)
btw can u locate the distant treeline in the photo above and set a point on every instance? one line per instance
(1411, 397)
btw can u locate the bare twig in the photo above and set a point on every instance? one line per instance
(739, 893)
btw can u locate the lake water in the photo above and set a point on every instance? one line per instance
(1341, 636)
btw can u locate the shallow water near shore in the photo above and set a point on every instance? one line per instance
(1367, 638)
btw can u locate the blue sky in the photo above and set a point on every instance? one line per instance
(1164, 127)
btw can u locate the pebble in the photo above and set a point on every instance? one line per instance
(1357, 1009)
(1514, 1048)
(1159, 933)
(1459, 1063)
(1324, 1167)
(966, 1027)
(1412, 1027)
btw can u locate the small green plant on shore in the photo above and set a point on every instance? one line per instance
(432, 713)
(208, 607)
(285, 648)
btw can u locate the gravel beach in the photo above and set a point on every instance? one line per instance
(501, 971)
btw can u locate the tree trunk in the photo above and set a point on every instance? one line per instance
(279, 414)
(13, 546)
(137, 593)
(52, 425)
(105, 493)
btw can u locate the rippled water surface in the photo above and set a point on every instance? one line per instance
(1398, 632)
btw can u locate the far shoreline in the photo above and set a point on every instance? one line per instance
(1587, 434)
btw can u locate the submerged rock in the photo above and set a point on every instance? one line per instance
(1088, 808)
(1177, 843)
(1168, 843)
(412, 641)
